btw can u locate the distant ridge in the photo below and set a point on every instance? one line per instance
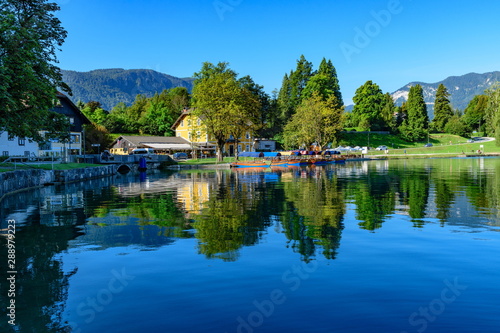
(111, 86)
(461, 88)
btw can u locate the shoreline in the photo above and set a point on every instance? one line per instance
(21, 180)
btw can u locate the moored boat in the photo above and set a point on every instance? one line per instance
(250, 164)
(279, 163)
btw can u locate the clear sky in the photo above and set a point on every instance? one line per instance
(391, 42)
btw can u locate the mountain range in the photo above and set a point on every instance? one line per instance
(461, 88)
(111, 86)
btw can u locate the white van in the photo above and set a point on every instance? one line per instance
(143, 151)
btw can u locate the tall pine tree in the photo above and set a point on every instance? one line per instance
(442, 109)
(325, 82)
(415, 127)
(290, 94)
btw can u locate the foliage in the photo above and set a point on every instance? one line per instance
(268, 113)
(96, 134)
(325, 82)
(226, 106)
(456, 126)
(316, 121)
(147, 115)
(113, 86)
(369, 102)
(30, 36)
(492, 112)
(415, 127)
(442, 109)
(387, 113)
(473, 116)
(290, 94)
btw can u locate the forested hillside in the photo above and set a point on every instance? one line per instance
(111, 86)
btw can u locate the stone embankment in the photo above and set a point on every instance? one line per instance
(13, 181)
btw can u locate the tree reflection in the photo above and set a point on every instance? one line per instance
(313, 214)
(232, 218)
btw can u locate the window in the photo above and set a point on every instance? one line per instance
(247, 148)
(46, 146)
(199, 122)
(71, 120)
(189, 122)
(21, 141)
(75, 138)
(248, 135)
(182, 122)
(11, 139)
(5, 153)
(189, 136)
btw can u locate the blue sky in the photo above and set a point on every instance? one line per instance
(391, 42)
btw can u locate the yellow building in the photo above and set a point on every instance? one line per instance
(191, 128)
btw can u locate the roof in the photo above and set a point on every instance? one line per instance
(171, 146)
(72, 105)
(148, 140)
(151, 141)
(184, 113)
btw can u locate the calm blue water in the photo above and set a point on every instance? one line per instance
(399, 246)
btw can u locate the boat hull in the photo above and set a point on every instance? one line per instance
(249, 165)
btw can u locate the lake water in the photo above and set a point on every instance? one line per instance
(379, 246)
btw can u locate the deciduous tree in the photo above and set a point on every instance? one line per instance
(223, 103)
(369, 101)
(30, 35)
(316, 121)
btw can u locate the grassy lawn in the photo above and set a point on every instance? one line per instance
(445, 149)
(393, 142)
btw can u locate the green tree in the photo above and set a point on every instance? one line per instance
(387, 113)
(492, 112)
(316, 121)
(94, 112)
(325, 82)
(96, 134)
(442, 109)
(455, 125)
(222, 102)
(368, 104)
(290, 94)
(474, 113)
(161, 111)
(30, 36)
(415, 127)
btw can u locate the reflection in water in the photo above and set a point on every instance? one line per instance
(225, 211)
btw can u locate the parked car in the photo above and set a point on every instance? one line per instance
(180, 156)
(143, 151)
(470, 140)
(381, 148)
(428, 145)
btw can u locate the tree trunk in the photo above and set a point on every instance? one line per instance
(220, 148)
